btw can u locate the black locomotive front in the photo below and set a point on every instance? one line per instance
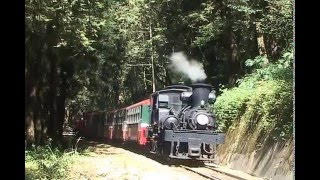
(183, 125)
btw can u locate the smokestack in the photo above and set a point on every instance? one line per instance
(200, 93)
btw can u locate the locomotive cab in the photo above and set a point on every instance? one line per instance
(166, 104)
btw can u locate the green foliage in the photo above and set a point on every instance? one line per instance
(271, 107)
(279, 20)
(230, 105)
(47, 163)
(257, 62)
(263, 99)
(206, 22)
(280, 70)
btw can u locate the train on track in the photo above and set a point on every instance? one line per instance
(175, 122)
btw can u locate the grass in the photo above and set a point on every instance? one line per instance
(44, 162)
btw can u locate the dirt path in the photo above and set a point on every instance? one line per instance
(108, 162)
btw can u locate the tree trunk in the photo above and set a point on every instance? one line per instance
(232, 45)
(37, 121)
(61, 107)
(52, 57)
(152, 60)
(38, 108)
(32, 89)
(145, 82)
(44, 125)
(53, 102)
(260, 41)
(29, 114)
(52, 126)
(234, 63)
(29, 128)
(35, 71)
(34, 119)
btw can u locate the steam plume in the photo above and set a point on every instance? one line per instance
(192, 69)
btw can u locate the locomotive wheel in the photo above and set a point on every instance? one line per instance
(166, 153)
(153, 147)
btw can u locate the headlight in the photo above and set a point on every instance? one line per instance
(202, 119)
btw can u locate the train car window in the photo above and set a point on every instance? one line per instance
(131, 117)
(140, 117)
(163, 98)
(121, 119)
(128, 118)
(135, 117)
(118, 117)
(163, 104)
(124, 116)
(137, 111)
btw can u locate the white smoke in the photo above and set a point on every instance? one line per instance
(192, 69)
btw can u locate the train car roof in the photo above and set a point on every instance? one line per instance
(144, 102)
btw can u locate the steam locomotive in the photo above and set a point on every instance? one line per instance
(174, 122)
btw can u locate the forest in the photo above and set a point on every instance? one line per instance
(85, 55)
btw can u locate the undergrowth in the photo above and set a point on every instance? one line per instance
(45, 162)
(263, 100)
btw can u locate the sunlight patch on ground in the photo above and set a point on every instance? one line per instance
(106, 162)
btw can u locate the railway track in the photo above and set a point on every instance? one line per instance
(213, 172)
(206, 175)
(210, 173)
